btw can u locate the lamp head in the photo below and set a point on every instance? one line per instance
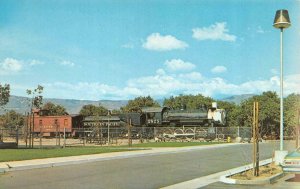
(282, 19)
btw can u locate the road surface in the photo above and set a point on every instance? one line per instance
(153, 171)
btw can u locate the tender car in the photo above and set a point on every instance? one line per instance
(291, 162)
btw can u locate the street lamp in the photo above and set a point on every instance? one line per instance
(281, 22)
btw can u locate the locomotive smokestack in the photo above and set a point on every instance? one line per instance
(214, 105)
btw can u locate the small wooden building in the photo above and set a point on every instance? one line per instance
(52, 125)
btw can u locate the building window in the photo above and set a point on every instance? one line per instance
(56, 122)
(40, 122)
(66, 122)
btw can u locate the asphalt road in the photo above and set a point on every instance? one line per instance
(153, 171)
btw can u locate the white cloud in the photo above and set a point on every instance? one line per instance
(216, 31)
(179, 65)
(35, 62)
(160, 72)
(162, 85)
(10, 66)
(157, 42)
(191, 76)
(67, 63)
(219, 69)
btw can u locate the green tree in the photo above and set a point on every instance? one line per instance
(92, 110)
(269, 109)
(232, 112)
(54, 110)
(36, 97)
(4, 94)
(188, 101)
(12, 119)
(291, 110)
(136, 104)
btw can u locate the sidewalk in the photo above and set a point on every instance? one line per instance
(60, 161)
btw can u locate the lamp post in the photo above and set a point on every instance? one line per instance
(281, 21)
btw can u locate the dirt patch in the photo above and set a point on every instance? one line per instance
(265, 171)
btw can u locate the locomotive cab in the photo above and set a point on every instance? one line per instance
(217, 116)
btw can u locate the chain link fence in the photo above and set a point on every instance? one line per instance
(9, 137)
(116, 136)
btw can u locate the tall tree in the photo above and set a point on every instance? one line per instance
(36, 97)
(291, 110)
(269, 109)
(4, 94)
(92, 110)
(232, 112)
(54, 110)
(188, 101)
(136, 104)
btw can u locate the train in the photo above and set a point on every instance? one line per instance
(146, 117)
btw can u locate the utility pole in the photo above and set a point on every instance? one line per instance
(297, 129)
(108, 125)
(32, 137)
(64, 137)
(27, 129)
(255, 133)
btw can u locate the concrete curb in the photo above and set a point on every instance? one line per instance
(72, 160)
(222, 176)
(269, 180)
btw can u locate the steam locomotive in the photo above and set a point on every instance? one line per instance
(164, 116)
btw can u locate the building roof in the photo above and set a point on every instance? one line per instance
(153, 109)
(102, 118)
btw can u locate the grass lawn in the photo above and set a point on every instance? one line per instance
(26, 154)
(174, 144)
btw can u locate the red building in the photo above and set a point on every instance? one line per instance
(52, 125)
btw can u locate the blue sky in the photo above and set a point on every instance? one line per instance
(123, 49)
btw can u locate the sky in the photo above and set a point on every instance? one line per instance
(96, 50)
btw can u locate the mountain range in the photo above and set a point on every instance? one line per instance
(237, 99)
(22, 104)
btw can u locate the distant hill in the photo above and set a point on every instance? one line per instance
(237, 99)
(21, 104)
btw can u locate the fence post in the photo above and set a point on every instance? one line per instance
(64, 137)
(17, 136)
(1, 136)
(32, 137)
(59, 135)
(40, 136)
(26, 130)
(129, 134)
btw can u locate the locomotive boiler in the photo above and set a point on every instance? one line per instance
(164, 116)
(197, 117)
